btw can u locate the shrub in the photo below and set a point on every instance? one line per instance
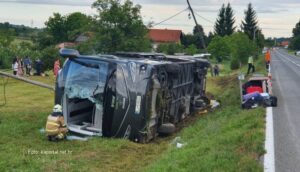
(234, 64)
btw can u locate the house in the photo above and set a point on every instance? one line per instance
(84, 37)
(80, 39)
(163, 36)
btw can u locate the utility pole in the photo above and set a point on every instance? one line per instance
(200, 33)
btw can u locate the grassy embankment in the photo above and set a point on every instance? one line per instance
(291, 52)
(228, 139)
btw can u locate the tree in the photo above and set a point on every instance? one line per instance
(199, 34)
(241, 47)
(229, 20)
(295, 42)
(188, 39)
(249, 25)
(48, 56)
(219, 48)
(209, 38)
(195, 38)
(43, 40)
(269, 42)
(120, 27)
(65, 28)
(56, 27)
(260, 39)
(236, 48)
(76, 24)
(220, 23)
(6, 37)
(296, 30)
(170, 48)
(191, 50)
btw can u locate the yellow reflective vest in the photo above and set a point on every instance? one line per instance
(250, 60)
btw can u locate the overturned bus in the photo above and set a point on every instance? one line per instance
(129, 95)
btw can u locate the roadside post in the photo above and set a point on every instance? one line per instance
(241, 77)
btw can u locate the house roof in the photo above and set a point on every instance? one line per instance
(84, 37)
(164, 35)
(81, 38)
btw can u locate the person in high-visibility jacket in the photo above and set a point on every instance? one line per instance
(250, 65)
(55, 126)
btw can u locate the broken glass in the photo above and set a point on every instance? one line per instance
(86, 81)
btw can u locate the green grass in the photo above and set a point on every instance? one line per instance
(228, 139)
(25, 114)
(291, 52)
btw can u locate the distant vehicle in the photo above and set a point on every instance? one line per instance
(129, 95)
(297, 53)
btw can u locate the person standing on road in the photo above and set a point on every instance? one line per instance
(250, 65)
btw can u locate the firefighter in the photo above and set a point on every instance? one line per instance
(55, 127)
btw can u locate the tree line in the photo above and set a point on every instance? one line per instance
(226, 42)
(118, 26)
(236, 45)
(295, 41)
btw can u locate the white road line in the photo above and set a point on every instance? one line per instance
(289, 59)
(269, 158)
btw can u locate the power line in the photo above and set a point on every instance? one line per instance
(204, 18)
(269, 28)
(169, 18)
(185, 25)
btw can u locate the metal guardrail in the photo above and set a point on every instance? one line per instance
(28, 80)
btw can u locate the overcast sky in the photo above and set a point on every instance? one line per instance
(276, 17)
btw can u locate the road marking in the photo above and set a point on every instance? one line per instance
(269, 158)
(282, 55)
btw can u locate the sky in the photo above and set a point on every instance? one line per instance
(276, 17)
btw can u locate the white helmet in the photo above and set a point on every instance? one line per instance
(57, 108)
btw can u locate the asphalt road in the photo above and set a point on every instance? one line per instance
(285, 70)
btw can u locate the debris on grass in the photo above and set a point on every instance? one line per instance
(178, 142)
(69, 137)
(42, 130)
(214, 104)
(72, 137)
